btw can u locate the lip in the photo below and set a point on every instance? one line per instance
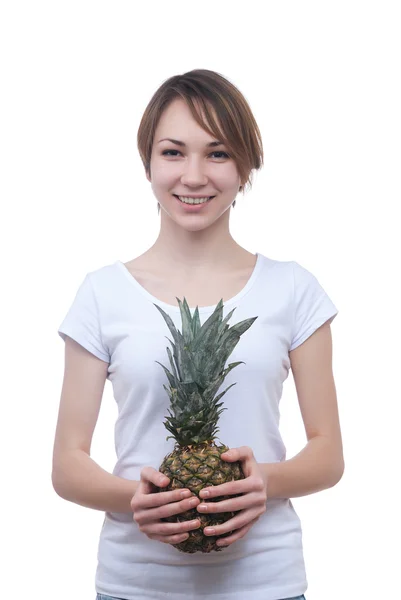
(195, 196)
(193, 207)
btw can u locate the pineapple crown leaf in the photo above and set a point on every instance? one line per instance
(186, 321)
(198, 370)
(169, 322)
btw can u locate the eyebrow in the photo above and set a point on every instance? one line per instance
(179, 143)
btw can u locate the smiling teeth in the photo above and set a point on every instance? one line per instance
(192, 200)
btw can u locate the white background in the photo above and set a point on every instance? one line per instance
(323, 81)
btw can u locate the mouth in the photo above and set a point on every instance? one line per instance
(193, 204)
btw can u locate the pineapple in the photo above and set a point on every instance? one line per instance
(197, 372)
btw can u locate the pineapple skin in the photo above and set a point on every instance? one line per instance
(196, 467)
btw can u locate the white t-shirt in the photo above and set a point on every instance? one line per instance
(114, 317)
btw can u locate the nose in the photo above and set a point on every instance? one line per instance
(193, 173)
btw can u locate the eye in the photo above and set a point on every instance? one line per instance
(166, 151)
(221, 152)
(225, 155)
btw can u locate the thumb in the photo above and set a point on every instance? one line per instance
(230, 455)
(235, 454)
(151, 478)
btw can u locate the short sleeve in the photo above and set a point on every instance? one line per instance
(82, 321)
(312, 306)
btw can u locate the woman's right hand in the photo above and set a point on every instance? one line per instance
(149, 507)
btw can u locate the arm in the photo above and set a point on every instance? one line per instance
(75, 475)
(314, 469)
(320, 464)
(80, 479)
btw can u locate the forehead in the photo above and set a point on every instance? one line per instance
(177, 118)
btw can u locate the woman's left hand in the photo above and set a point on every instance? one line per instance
(252, 504)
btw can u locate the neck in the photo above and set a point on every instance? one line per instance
(195, 252)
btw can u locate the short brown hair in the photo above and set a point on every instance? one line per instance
(239, 130)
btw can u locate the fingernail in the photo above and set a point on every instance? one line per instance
(204, 493)
(194, 523)
(209, 531)
(193, 502)
(185, 494)
(202, 507)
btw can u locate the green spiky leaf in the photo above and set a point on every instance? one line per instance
(198, 358)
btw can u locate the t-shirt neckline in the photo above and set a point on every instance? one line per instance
(256, 270)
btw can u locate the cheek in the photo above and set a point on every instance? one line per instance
(161, 181)
(227, 176)
(164, 174)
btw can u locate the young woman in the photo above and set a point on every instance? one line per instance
(198, 140)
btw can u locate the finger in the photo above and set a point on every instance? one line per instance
(161, 498)
(239, 533)
(236, 522)
(171, 539)
(241, 486)
(149, 476)
(231, 505)
(171, 528)
(241, 453)
(167, 510)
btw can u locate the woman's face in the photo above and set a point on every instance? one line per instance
(193, 169)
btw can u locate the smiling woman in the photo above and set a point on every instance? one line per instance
(199, 144)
